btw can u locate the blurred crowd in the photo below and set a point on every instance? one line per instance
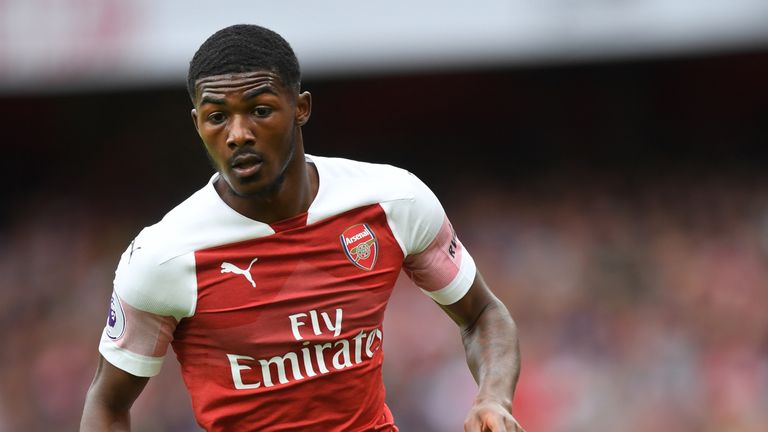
(640, 307)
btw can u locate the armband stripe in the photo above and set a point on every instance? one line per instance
(459, 286)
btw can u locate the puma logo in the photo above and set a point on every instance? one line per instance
(231, 268)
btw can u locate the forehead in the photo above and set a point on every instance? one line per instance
(223, 85)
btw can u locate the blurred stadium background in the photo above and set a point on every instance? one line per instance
(604, 161)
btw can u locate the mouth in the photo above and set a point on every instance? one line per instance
(246, 165)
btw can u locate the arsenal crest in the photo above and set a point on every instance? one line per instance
(360, 245)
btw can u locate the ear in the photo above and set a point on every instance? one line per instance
(303, 108)
(194, 120)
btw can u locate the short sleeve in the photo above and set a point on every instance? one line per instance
(149, 298)
(435, 259)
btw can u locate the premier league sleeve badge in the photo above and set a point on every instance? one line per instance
(115, 318)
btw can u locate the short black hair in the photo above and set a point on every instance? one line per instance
(244, 48)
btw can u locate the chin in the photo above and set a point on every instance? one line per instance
(254, 187)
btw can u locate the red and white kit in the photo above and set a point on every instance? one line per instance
(278, 326)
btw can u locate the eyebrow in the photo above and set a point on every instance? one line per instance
(249, 94)
(212, 100)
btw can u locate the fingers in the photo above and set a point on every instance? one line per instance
(490, 416)
(494, 425)
(505, 423)
(511, 425)
(472, 424)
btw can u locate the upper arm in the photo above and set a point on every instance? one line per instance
(149, 298)
(111, 395)
(435, 259)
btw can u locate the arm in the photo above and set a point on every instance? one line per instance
(109, 399)
(493, 355)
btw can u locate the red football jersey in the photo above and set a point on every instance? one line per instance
(278, 327)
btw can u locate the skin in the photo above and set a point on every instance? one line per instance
(256, 114)
(493, 356)
(255, 117)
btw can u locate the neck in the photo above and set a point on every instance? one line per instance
(287, 199)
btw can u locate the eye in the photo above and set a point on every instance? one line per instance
(216, 117)
(262, 111)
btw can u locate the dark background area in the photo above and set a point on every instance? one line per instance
(630, 122)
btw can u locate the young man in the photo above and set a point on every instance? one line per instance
(270, 282)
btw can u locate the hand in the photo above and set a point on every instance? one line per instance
(490, 416)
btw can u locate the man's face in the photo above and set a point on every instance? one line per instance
(249, 123)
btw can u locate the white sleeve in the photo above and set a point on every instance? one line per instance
(149, 298)
(435, 259)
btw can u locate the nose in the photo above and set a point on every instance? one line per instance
(240, 133)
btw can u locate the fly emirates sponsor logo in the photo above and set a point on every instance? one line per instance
(310, 359)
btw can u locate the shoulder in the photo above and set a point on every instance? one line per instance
(202, 221)
(164, 239)
(414, 212)
(156, 273)
(150, 282)
(385, 176)
(346, 184)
